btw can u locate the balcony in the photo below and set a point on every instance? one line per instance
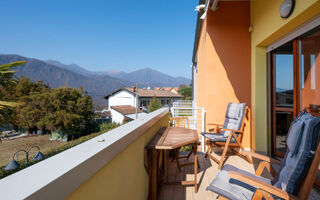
(111, 166)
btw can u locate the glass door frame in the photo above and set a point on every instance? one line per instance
(296, 93)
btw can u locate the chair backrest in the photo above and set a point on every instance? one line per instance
(234, 118)
(302, 142)
(182, 122)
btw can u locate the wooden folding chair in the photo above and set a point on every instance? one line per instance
(182, 122)
(294, 178)
(265, 191)
(229, 135)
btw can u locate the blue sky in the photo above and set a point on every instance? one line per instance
(102, 34)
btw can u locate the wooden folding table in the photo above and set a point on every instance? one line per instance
(156, 152)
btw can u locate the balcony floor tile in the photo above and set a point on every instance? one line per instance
(208, 170)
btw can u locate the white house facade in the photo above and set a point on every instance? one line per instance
(116, 116)
(122, 103)
(121, 98)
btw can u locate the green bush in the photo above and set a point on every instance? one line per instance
(107, 126)
(154, 104)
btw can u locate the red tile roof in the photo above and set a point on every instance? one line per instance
(167, 88)
(157, 93)
(126, 109)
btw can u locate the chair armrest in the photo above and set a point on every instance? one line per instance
(262, 157)
(212, 132)
(215, 129)
(214, 124)
(265, 165)
(260, 184)
(232, 130)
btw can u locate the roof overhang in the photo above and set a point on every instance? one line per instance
(198, 33)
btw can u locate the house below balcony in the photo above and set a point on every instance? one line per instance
(122, 103)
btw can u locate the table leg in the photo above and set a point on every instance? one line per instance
(154, 175)
(195, 168)
(166, 172)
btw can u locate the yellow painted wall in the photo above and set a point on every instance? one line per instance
(223, 63)
(268, 26)
(124, 177)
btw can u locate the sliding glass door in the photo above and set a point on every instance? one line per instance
(282, 96)
(295, 84)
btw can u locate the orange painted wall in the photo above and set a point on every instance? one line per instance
(224, 62)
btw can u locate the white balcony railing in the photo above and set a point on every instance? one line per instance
(195, 115)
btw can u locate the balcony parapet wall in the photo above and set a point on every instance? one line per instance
(112, 169)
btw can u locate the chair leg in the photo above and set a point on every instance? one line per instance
(242, 149)
(246, 156)
(178, 165)
(176, 158)
(208, 149)
(189, 154)
(224, 152)
(223, 157)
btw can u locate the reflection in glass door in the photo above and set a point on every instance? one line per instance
(310, 72)
(283, 96)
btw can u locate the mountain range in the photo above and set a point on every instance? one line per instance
(97, 84)
(145, 77)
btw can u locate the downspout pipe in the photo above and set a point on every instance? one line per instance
(196, 44)
(198, 33)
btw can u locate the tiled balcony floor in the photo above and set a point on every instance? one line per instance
(208, 170)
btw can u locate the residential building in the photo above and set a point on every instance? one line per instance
(122, 102)
(263, 54)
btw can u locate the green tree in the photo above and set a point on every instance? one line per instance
(32, 113)
(33, 99)
(186, 92)
(154, 104)
(6, 83)
(70, 111)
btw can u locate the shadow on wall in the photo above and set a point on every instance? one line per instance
(228, 30)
